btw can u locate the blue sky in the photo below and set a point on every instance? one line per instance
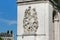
(8, 16)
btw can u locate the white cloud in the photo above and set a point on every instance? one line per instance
(8, 22)
(12, 22)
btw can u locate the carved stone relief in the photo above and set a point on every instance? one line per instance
(30, 21)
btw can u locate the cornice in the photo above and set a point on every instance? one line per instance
(31, 2)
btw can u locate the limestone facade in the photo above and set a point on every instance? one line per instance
(48, 21)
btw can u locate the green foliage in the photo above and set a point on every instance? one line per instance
(56, 1)
(0, 38)
(58, 5)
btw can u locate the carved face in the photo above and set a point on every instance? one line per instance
(30, 22)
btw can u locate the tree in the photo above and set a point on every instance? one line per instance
(56, 3)
(0, 38)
